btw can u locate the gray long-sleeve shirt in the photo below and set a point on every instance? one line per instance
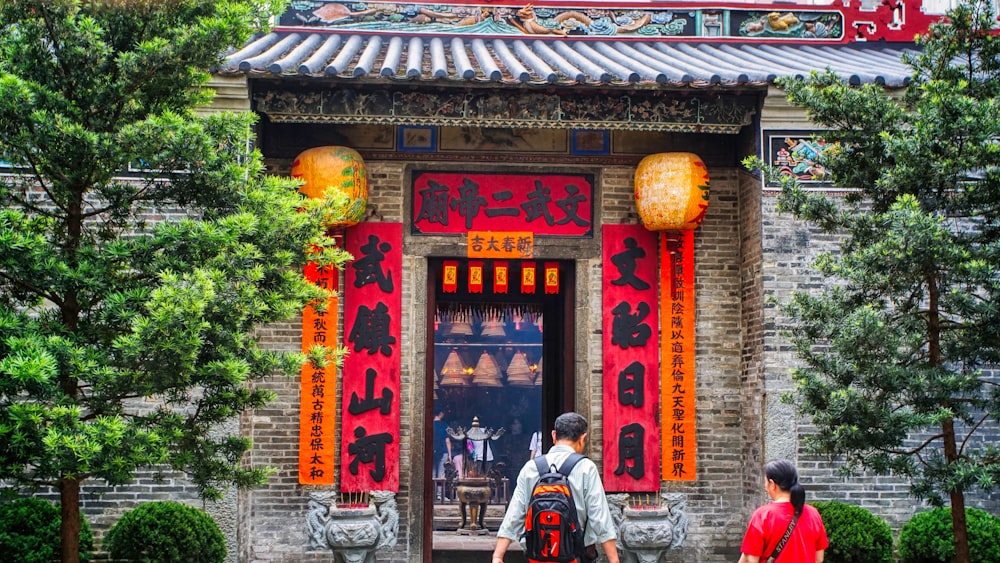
(588, 495)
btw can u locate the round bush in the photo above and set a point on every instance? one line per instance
(166, 532)
(856, 535)
(29, 527)
(929, 538)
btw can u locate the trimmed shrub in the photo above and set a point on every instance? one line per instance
(929, 538)
(29, 528)
(856, 535)
(166, 532)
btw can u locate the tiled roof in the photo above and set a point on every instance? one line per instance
(564, 61)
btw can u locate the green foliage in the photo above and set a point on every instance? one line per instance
(926, 538)
(856, 535)
(29, 527)
(140, 246)
(166, 532)
(895, 347)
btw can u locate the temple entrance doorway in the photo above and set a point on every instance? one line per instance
(499, 371)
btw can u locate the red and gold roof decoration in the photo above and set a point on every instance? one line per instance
(844, 22)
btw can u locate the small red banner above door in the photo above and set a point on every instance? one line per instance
(459, 202)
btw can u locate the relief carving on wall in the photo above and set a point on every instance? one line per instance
(649, 111)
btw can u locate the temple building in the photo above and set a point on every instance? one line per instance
(552, 215)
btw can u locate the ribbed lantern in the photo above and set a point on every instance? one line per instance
(334, 168)
(671, 191)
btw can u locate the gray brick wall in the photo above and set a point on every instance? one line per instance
(747, 257)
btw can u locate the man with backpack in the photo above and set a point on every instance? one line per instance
(558, 505)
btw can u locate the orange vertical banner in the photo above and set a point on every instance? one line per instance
(677, 347)
(318, 388)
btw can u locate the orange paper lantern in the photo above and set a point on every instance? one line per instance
(671, 191)
(334, 168)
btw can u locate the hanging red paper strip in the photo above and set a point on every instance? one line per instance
(373, 305)
(449, 279)
(629, 343)
(318, 387)
(528, 277)
(501, 273)
(677, 348)
(475, 276)
(551, 277)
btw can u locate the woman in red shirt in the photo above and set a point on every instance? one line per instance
(807, 542)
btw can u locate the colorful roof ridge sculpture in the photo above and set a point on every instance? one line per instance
(847, 22)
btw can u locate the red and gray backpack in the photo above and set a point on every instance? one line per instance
(552, 530)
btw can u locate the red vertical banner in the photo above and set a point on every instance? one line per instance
(371, 408)
(551, 277)
(528, 277)
(318, 388)
(475, 276)
(501, 277)
(449, 277)
(631, 381)
(677, 355)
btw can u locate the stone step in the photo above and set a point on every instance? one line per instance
(447, 517)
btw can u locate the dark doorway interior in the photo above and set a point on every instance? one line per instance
(502, 360)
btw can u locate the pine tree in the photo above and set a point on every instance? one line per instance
(899, 352)
(140, 247)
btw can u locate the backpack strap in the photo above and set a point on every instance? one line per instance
(570, 463)
(542, 463)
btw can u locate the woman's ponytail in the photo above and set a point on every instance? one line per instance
(783, 473)
(798, 497)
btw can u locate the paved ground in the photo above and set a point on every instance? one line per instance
(450, 547)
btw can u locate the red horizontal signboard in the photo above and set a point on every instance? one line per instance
(546, 204)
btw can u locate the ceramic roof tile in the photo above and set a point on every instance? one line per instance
(623, 62)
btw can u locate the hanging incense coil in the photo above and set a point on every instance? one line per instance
(518, 372)
(453, 371)
(493, 326)
(537, 372)
(487, 374)
(461, 325)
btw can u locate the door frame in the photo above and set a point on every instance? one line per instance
(558, 389)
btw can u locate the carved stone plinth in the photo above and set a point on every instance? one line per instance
(645, 534)
(353, 534)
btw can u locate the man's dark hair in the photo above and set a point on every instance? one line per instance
(570, 426)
